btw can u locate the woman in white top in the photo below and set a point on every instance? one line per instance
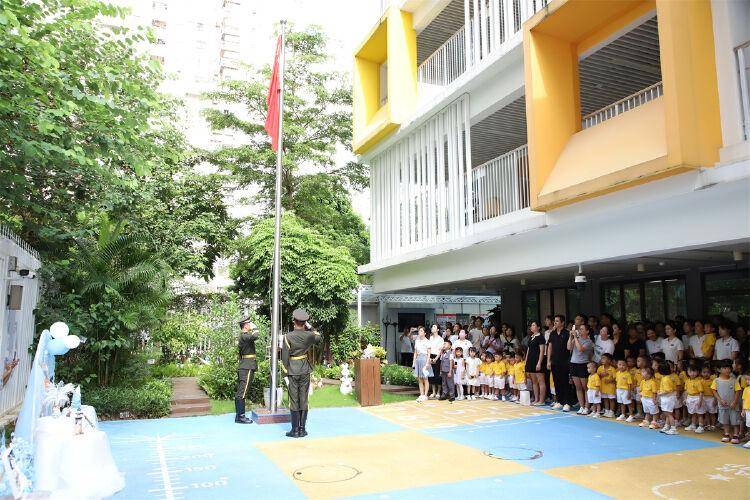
(405, 347)
(462, 342)
(672, 346)
(603, 343)
(436, 344)
(421, 363)
(653, 343)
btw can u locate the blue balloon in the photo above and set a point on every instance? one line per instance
(57, 347)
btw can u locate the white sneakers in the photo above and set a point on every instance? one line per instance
(421, 398)
(621, 417)
(699, 430)
(746, 445)
(609, 414)
(690, 427)
(630, 418)
(557, 406)
(672, 431)
(566, 408)
(594, 414)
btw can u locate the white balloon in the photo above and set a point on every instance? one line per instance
(72, 341)
(59, 330)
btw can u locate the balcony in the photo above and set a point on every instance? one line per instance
(493, 27)
(618, 107)
(501, 185)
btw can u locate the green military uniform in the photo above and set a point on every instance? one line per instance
(294, 347)
(245, 370)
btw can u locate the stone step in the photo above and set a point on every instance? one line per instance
(183, 410)
(190, 399)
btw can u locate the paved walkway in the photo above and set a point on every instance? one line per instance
(471, 449)
(188, 399)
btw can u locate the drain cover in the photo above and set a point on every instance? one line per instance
(326, 473)
(513, 453)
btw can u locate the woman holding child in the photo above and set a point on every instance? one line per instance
(581, 349)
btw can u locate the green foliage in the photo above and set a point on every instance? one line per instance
(397, 375)
(331, 372)
(323, 202)
(348, 341)
(317, 121)
(171, 370)
(316, 275)
(180, 330)
(150, 400)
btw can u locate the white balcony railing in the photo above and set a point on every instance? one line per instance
(501, 185)
(491, 24)
(623, 105)
(743, 67)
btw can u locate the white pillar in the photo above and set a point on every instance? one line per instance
(359, 305)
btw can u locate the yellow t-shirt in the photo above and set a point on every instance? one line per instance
(637, 377)
(694, 386)
(594, 382)
(608, 379)
(677, 381)
(485, 368)
(709, 340)
(746, 398)
(649, 388)
(519, 372)
(623, 379)
(740, 384)
(683, 377)
(707, 384)
(499, 368)
(667, 385)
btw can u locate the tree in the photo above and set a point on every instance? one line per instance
(317, 122)
(324, 204)
(315, 275)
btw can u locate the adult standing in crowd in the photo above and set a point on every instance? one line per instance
(653, 343)
(436, 345)
(548, 326)
(421, 363)
(535, 363)
(726, 346)
(581, 349)
(702, 343)
(462, 342)
(603, 343)
(671, 345)
(631, 344)
(405, 346)
(558, 363)
(509, 338)
(475, 333)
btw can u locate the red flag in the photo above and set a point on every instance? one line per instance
(272, 101)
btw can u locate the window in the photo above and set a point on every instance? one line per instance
(727, 293)
(383, 83)
(538, 304)
(645, 300)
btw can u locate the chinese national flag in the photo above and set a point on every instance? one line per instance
(272, 101)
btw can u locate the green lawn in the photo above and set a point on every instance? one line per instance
(326, 397)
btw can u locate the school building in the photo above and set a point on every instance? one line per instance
(517, 144)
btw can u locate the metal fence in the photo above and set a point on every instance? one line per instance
(501, 185)
(626, 104)
(19, 263)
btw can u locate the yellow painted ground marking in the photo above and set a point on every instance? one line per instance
(386, 461)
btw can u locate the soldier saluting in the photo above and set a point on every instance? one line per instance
(294, 347)
(246, 368)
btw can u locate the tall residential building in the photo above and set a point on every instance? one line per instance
(515, 144)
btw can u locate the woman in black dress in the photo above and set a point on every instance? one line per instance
(535, 363)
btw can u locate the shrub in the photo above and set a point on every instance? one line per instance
(323, 371)
(220, 381)
(151, 400)
(343, 344)
(171, 370)
(398, 375)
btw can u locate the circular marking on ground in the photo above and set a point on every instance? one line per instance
(337, 473)
(513, 453)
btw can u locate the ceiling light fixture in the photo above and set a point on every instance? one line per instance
(737, 255)
(641, 267)
(523, 282)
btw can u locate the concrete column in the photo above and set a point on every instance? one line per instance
(512, 304)
(694, 293)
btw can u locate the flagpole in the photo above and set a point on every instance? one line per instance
(276, 304)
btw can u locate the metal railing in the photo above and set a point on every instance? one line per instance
(445, 64)
(743, 68)
(7, 233)
(626, 104)
(501, 185)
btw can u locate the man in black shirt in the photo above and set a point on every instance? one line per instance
(558, 359)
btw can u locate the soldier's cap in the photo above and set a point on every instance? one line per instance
(300, 315)
(247, 320)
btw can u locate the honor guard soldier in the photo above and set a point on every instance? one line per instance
(294, 347)
(246, 368)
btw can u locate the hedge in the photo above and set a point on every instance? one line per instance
(151, 400)
(219, 380)
(398, 375)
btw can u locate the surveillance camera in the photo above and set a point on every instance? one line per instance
(580, 281)
(23, 272)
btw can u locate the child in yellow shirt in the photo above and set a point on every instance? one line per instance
(667, 398)
(640, 363)
(694, 400)
(486, 373)
(709, 401)
(519, 376)
(624, 385)
(746, 402)
(609, 385)
(649, 388)
(593, 391)
(678, 383)
(499, 370)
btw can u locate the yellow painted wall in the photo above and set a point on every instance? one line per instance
(689, 112)
(394, 41)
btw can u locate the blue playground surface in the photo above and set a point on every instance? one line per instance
(427, 450)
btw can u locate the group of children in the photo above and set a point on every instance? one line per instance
(666, 395)
(661, 393)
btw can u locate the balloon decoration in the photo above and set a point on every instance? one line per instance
(57, 347)
(71, 341)
(59, 330)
